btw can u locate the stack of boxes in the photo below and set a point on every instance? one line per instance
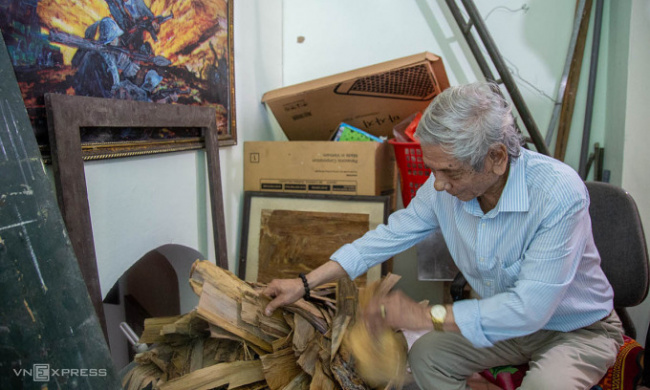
(374, 99)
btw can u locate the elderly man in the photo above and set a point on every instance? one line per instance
(517, 226)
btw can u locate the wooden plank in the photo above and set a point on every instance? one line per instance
(573, 80)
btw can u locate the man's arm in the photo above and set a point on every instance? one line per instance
(287, 291)
(401, 312)
(404, 229)
(547, 269)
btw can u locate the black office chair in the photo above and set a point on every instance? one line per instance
(619, 237)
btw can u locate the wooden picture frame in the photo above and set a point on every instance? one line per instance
(67, 114)
(287, 233)
(178, 52)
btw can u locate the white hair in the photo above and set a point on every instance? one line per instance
(467, 120)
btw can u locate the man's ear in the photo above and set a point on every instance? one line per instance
(498, 156)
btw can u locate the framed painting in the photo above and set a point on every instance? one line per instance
(168, 52)
(284, 234)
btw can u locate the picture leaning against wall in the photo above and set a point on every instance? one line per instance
(160, 51)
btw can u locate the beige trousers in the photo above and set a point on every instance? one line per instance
(558, 360)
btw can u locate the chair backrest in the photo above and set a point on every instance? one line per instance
(618, 234)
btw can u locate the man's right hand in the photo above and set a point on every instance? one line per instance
(283, 292)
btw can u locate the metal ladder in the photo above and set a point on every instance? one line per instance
(506, 79)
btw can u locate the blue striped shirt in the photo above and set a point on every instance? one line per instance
(531, 260)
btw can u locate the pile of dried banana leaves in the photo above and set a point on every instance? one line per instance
(228, 343)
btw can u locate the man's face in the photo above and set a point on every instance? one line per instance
(458, 179)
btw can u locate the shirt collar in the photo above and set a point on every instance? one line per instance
(515, 194)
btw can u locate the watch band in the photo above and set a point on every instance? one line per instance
(437, 326)
(438, 315)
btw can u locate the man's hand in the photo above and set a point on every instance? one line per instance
(397, 311)
(286, 291)
(283, 292)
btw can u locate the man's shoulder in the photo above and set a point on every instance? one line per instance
(552, 179)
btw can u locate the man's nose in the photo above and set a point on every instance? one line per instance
(439, 184)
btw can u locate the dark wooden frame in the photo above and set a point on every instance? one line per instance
(246, 219)
(66, 114)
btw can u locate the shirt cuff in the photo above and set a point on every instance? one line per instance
(468, 319)
(351, 260)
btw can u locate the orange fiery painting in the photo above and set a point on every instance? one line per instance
(163, 51)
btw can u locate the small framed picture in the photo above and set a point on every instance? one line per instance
(284, 234)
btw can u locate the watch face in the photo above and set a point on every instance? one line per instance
(438, 312)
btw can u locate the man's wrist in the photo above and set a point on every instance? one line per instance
(305, 284)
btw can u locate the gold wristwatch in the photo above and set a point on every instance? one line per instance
(438, 314)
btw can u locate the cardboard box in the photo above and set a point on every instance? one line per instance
(321, 167)
(373, 98)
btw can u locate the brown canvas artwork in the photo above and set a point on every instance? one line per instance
(299, 241)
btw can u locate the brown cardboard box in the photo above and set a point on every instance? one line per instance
(373, 98)
(321, 167)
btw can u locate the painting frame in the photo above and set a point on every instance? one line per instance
(202, 73)
(66, 114)
(377, 208)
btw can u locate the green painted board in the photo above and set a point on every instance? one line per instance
(50, 336)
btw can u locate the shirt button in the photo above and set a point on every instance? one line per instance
(488, 283)
(482, 259)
